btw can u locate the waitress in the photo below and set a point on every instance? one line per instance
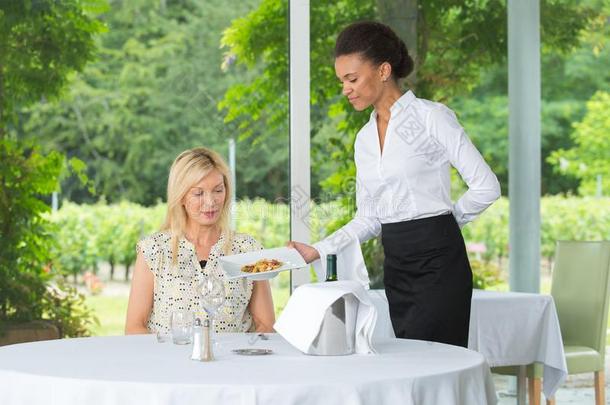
(403, 158)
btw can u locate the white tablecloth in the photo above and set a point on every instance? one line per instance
(508, 328)
(137, 370)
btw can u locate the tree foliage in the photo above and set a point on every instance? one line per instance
(41, 43)
(151, 94)
(569, 80)
(155, 89)
(585, 155)
(588, 158)
(24, 175)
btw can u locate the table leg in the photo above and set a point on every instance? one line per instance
(521, 385)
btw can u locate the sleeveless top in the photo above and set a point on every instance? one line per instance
(174, 285)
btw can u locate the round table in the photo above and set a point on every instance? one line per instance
(138, 370)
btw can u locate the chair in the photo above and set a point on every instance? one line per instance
(580, 289)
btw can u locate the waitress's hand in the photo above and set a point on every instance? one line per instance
(308, 252)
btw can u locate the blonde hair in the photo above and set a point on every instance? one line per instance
(187, 170)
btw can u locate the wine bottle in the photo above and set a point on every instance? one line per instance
(331, 267)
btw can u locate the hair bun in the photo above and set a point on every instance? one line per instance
(377, 43)
(404, 67)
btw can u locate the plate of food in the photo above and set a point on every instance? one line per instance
(261, 264)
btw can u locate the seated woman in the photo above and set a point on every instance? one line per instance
(172, 262)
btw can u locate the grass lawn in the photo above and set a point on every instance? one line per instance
(110, 311)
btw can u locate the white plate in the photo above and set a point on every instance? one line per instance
(290, 258)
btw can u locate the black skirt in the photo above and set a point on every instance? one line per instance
(428, 280)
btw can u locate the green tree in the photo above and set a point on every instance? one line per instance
(41, 43)
(569, 80)
(153, 93)
(588, 159)
(485, 119)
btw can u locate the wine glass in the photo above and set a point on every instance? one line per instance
(212, 295)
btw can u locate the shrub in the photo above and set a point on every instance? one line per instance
(484, 274)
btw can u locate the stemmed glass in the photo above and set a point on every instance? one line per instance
(212, 295)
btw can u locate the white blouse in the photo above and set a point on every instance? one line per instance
(411, 178)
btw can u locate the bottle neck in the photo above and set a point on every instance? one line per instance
(331, 268)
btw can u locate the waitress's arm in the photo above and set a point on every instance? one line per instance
(364, 226)
(359, 229)
(345, 242)
(483, 186)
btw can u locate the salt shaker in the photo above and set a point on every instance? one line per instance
(207, 344)
(197, 341)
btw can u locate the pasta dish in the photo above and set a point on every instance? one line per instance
(261, 266)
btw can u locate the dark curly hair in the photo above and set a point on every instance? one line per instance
(377, 43)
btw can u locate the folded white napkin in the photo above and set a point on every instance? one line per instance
(300, 321)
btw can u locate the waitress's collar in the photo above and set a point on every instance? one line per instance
(400, 104)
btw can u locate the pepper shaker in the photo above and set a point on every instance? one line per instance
(207, 344)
